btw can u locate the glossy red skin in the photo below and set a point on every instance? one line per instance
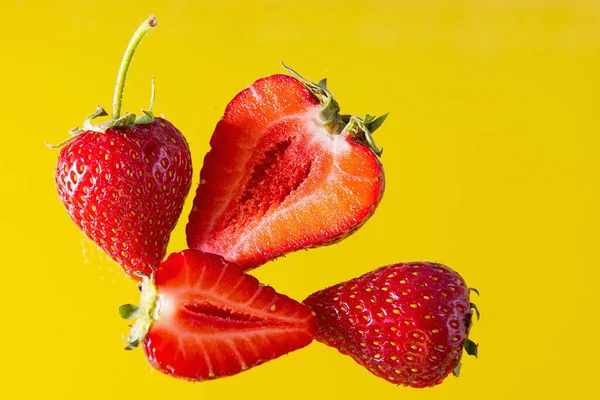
(276, 181)
(125, 189)
(215, 321)
(393, 320)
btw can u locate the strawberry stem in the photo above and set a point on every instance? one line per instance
(127, 57)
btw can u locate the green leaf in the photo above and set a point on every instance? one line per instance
(474, 307)
(125, 120)
(377, 122)
(87, 123)
(147, 118)
(471, 347)
(129, 311)
(318, 89)
(456, 370)
(472, 289)
(135, 343)
(56, 146)
(369, 118)
(131, 344)
(98, 112)
(357, 126)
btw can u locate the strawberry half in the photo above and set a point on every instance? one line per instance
(202, 318)
(124, 181)
(407, 323)
(285, 172)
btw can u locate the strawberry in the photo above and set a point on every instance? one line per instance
(203, 318)
(285, 172)
(406, 323)
(124, 181)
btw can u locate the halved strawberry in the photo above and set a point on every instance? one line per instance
(286, 171)
(203, 318)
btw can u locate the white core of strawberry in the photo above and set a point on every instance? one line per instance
(337, 144)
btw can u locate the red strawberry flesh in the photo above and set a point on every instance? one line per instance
(277, 179)
(211, 320)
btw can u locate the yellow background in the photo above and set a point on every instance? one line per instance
(491, 156)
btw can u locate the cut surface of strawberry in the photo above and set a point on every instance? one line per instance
(285, 172)
(202, 318)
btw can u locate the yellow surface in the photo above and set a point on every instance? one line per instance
(491, 155)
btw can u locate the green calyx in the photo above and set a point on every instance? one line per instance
(472, 305)
(469, 346)
(129, 119)
(456, 370)
(364, 128)
(334, 122)
(144, 314)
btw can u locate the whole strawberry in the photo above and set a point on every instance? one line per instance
(124, 181)
(406, 323)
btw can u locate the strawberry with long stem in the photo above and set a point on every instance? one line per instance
(124, 181)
